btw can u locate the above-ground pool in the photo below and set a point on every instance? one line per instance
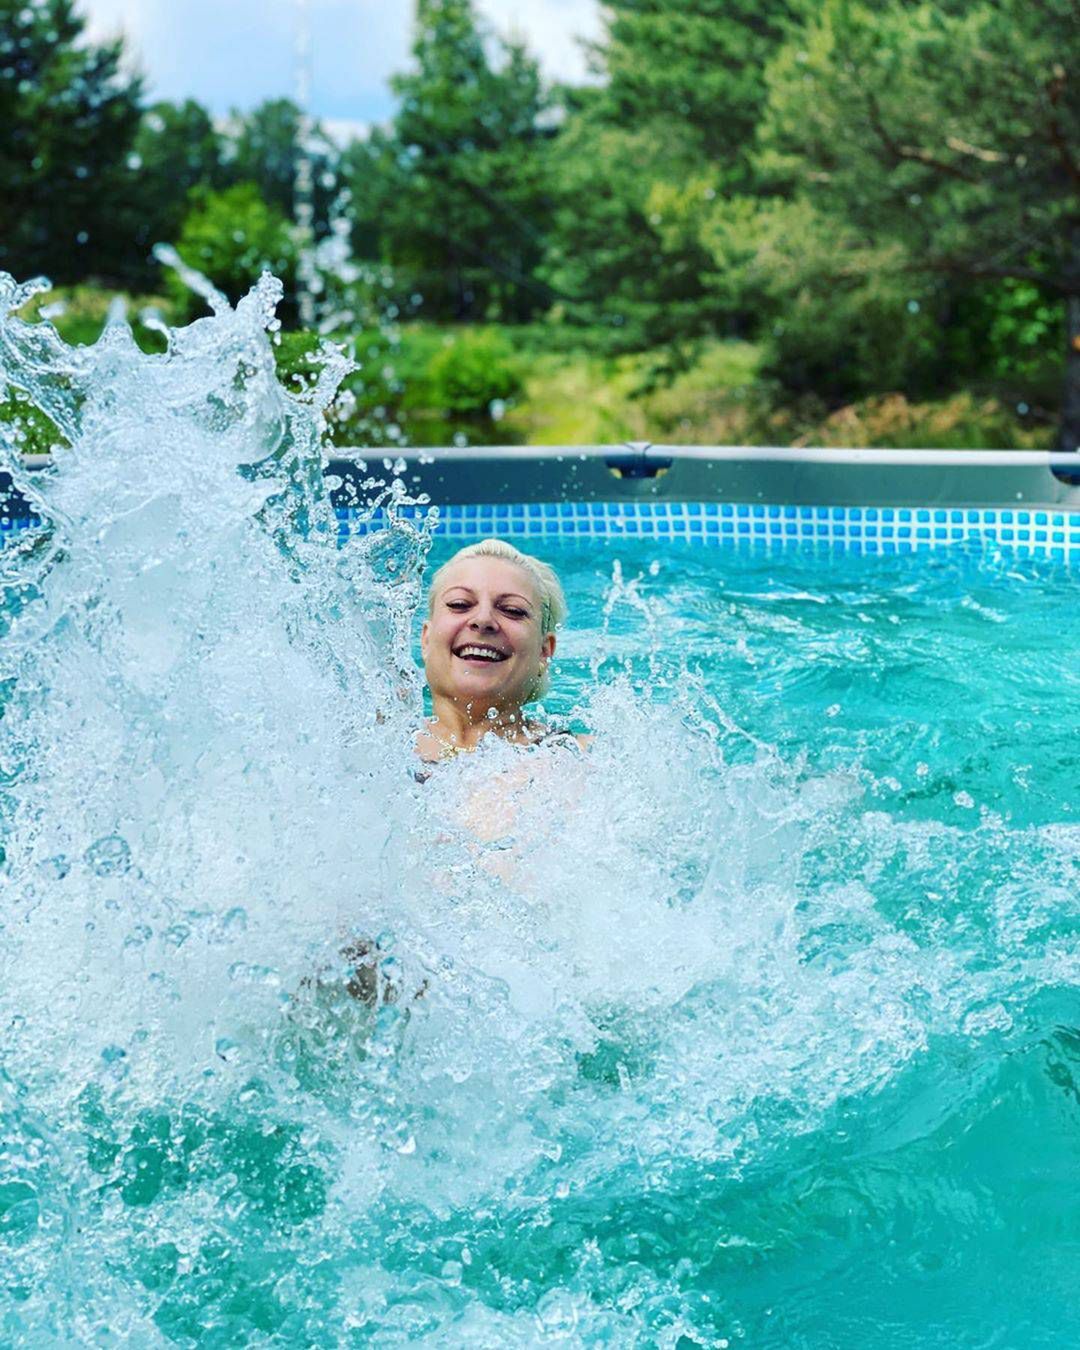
(757, 1024)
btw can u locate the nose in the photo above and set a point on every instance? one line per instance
(484, 618)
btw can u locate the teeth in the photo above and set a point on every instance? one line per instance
(488, 653)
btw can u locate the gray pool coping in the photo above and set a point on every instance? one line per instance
(639, 470)
(781, 475)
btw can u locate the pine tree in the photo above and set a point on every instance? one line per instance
(69, 114)
(672, 126)
(949, 132)
(177, 149)
(455, 191)
(697, 63)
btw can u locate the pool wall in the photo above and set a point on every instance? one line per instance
(861, 501)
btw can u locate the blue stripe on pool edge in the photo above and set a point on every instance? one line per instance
(852, 529)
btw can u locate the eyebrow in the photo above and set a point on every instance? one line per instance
(504, 595)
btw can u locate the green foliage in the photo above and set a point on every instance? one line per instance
(940, 124)
(699, 66)
(645, 160)
(890, 421)
(611, 261)
(453, 378)
(845, 317)
(231, 237)
(472, 373)
(453, 196)
(26, 429)
(69, 115)
(177, 149)
(943, 132)
(1018, 326)
(264, 150)
(882, 198)
(723, 398)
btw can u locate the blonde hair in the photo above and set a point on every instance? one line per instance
(541, 574)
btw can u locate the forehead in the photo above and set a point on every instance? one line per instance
(495, 576)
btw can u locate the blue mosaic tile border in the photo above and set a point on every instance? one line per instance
(851, 529)
(1030, 532)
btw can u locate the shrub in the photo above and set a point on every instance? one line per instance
(231, 237)
(26, 428)
(472, 371)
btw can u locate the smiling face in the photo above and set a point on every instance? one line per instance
(484, 645)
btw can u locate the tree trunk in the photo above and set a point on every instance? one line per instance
(1069, 431)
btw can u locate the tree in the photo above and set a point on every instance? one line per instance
(69, 115)
(457, 186)
(700, 65)
(611, 260)
(947, 132)
(265, 148)
(176, 149)
(231, 237)
(669, 137)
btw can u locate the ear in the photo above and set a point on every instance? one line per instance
(547, 646)
(424, 638)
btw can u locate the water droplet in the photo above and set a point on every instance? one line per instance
(557, 1313)
(57, 866)
(108, 856)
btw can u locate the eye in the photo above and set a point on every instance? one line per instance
(515, 613)
(457, 604)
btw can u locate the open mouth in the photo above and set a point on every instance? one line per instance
(477, 653)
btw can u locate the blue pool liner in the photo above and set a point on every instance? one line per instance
(848, 529)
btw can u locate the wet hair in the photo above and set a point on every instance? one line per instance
(541, 574)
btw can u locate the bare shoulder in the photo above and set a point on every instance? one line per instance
(428, 748)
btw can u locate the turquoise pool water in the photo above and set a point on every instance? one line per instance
(758, 1025)
(859, 1126)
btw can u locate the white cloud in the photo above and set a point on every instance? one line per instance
(551, 29)
(107, 19)
(235, 53)
(342, 130)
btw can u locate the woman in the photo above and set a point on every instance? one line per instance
(487, 644)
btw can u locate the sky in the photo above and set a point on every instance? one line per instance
(235, 53)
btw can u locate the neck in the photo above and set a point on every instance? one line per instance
(464, 726)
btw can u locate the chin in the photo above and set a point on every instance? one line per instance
(496, 696)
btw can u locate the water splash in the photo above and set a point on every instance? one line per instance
(612, 1001)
